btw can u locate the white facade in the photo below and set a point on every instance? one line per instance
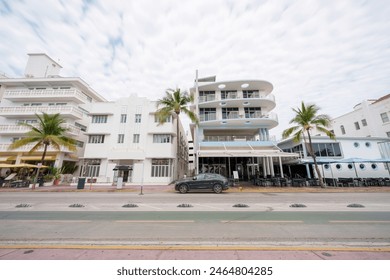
(233, 133)
(126, 135)
(43, 90)
(351, 157)
(368, 118)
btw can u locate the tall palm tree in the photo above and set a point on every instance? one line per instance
(306, 119)
(175, 102)
(48, 132)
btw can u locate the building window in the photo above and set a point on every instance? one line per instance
(123, 118)
(82, 127)
(137, 118)
(161, 138)
(91, 168)
(325, 150)
(167, 120)
(121, 138)
(161, 168)
(368, 144)
(374, 166)
(356, 144)
(342, 129)
(96, 139)
(364, 122)
(362, 166)
(350, 166)
(357, 126)
(388, 134)
(207, 114)
(338, 166)
(99, 119)
(135, 138)
(229, 113)
(252, 112)
(79, 144)
(385, 117)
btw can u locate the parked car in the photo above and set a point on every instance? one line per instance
(204, 181)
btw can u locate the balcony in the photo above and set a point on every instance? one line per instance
(236, 119)
(27, 148)
(207, 117)
(13, 129)
(24, 95)
(207, 98)
(65, 111)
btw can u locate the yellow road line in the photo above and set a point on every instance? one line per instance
(359, 222)
(155, 221)
(258, 221)
(196, 248)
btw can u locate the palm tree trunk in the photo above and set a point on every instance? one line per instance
(315, 161)
(178, 147)
(42, 159)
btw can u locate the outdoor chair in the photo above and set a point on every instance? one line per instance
(9, 179)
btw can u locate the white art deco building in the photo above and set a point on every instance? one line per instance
(125, 140)
(233, 136)
(42, 89)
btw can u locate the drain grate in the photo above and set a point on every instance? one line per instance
(184, 205)
(298, 205)
(23, 205)
(130, 205)
(240, 205)
(76, 205)
(355, 205)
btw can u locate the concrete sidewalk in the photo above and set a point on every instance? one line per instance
(243, 187)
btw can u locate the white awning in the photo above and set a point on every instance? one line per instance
(252, 153)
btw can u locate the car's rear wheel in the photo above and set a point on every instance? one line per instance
(183, 188)
(217, 188)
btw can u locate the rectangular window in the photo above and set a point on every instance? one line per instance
(161, 138)
(135, 138)
(96, 139)
(252, 112)
(79, 144)
(123, 118)
(91, 168)
(99, 119)
(342, 129)
(228, 94)
(229, 113)
(326, 150)
(137, 118)
(207, 114)
(82, 127)
(121, 138)
(364, 122)
(161, 168)
(357, 126)
(167, 120)
(205, 96)
(250, 94)
(385, 117)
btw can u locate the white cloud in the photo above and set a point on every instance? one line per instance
(332, 53)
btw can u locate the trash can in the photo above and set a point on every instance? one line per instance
(40, 181)
(81, 183)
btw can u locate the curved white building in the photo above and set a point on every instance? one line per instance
(233, 133)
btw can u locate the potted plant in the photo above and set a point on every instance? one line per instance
(48, 179)
(57, 174)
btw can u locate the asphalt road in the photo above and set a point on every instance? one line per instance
(211, 223)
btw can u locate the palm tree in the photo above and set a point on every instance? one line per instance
(306, 119)
(175, 102)
(48, 132)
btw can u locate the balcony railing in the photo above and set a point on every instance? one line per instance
(14, 128)
(27, 148)
(236, 138)
(49, 93)
(206, 98)
(207, 117)
(236, 95)
(31, 110)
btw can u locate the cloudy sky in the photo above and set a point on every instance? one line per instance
(333, 53)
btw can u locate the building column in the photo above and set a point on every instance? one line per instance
(281, 167)
(271, 161)
(308, 171)
(264, 167)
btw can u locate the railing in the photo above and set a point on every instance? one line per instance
(207, 117)
(232, 95)
(228, 138)
(230, 115)
(27, 148)
(206, 98)
(254, 115)
(45, 93)
(14, 128)
(39, 109)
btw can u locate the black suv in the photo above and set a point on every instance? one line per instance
(204, 181)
